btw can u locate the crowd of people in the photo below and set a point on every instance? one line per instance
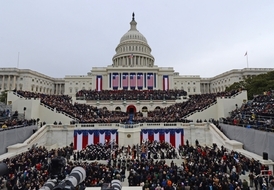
(85, 113)
(10, 121)
(257, 113)
(199, 167)
(146, 150)
(130, 94)
(13, 123)
(177, 112)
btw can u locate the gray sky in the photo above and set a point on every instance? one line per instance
(196, 37)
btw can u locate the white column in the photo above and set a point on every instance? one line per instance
(8, 83)
(145, 60)
(109, 85)
(14, 80)
(3, 81)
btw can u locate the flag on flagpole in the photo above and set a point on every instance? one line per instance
(131, 56)
(245, 53)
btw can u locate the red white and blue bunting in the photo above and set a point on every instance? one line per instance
(82, 138)
(173, 136)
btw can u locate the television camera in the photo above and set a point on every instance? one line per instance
(114, 185)
(3, 169)
(58, 179)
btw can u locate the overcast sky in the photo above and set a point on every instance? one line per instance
(196, 37)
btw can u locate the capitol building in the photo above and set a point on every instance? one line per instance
(133, 68)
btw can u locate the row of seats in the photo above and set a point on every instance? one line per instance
(130, 94)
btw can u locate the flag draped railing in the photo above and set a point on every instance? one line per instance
(173, 136)
(82, 138)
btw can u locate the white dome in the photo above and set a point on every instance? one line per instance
(133, 33)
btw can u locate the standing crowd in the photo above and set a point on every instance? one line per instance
(200, 167)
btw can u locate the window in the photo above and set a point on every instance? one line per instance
(188, 89)
(194, 90)
(70, 90)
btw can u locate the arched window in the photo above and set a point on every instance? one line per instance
(157, 108)
(118, 109)
(144, 109)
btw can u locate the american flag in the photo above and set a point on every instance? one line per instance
(125, 80)
(99, 83)
(115, 80)
(140, 80)
(132, 79)
(165, 82)
(150, 80)
(130, 56)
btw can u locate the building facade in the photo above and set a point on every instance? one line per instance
(133, 67)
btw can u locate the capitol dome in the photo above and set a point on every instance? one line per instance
(133, 33)
(133, 49)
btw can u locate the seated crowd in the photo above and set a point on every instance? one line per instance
(12, 121)
(85, 113)
(148, 150)
(258, 113)
(130, 94)
(200, 168)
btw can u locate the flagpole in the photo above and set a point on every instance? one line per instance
(247, 60)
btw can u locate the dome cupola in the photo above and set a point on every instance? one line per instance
(133, 49)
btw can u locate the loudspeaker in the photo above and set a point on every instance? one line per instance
(265, 156)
